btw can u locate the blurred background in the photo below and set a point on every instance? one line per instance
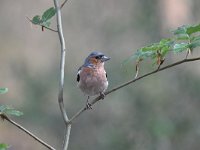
(160, 112)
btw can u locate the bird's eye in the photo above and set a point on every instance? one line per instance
(98, 57)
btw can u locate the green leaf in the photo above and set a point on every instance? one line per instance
(46, 24)
(180, 30)
(48, 14)
(3, 146)
(194, 45)
(3, 90)
(143, 54)
(4, 109)
(194, 39)
(151, 51)
(193, 29)
(182, 37)
(179, 47)
(36, 20)
(187, 30)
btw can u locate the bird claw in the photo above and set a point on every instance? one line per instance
(102, 95)
(88, 106)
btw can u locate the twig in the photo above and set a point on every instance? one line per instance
(189, 51)
(131, 81)
(62, 72)
(63, 4)
(4, 117)
(42, 25)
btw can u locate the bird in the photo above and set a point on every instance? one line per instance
(92, 77)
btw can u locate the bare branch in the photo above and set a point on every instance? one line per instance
(41, 25)
(130, 82)
(4, 117)
(62, 73)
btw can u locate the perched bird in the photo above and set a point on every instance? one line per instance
(92, 77)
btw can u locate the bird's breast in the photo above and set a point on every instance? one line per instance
(92, 81)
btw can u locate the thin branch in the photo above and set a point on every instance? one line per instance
(62, 73)
(132, 81)
(67, 135)
(42, 25)
(4, 117)
(63, 4)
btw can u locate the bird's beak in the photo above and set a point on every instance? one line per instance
(105, 58)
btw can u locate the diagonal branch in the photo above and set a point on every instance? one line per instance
(4, 117)
(62, 73)
(130, 82)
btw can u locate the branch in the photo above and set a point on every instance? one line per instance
(41, 25)
(130, 82)
(63, 4)
(4, 117)
(62, 71)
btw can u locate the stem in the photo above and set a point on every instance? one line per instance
(62, 73)
(27, 132)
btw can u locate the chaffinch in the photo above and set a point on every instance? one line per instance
(92, 77)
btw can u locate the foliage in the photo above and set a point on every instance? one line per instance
(3, 146)
(7, 110)
(186, 38)
(3, 90)
(45, 19)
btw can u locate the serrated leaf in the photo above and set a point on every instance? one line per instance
(165, 50)
(7, 110)
(193, 29)
(3, 146)
(179, 47)
(143, 54)
(194, 39)
(180, 30)
(36, 20)
(153, 47)
(194, 45)
(183, 37)
(3, 90)
(187, 30)
(48, 14)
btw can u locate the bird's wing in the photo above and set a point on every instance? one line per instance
(78, 74)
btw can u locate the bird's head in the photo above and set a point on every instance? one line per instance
(96, 58)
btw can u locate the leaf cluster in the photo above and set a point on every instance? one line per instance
(185, 39)
(7, 110)
(45, 19)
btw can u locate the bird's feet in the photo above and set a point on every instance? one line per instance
(88, 106)
(102, 95)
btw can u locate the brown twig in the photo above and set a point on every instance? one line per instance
(63, 4)
(4, 117)
(131, 81)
